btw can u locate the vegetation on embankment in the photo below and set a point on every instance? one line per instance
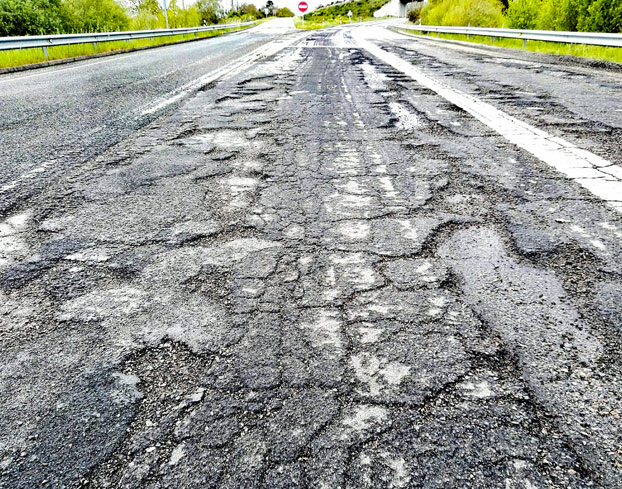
(564, 15)
(44, 17)
(22, 57)
(580, 50)
(463, 12)
(327, 22)
(329, 15)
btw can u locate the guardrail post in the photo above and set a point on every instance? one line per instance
(492, 40)
(524, 43)
(95, 46)
(45, 52)
(438, 34)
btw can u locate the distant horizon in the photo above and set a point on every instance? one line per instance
(291, 4)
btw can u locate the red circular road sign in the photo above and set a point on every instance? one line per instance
(303, 7)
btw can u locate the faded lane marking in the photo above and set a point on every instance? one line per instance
(180, 93)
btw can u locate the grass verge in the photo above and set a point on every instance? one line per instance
(22, 57)
(580, 50)
(328, 22)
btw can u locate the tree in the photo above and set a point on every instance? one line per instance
(151, 6)
(208, 10)
(523, 14)
(250, 10)
(601, 16)
(31, 17)
(141, 6)
(97, 15)
(284, 12)
(414, 14)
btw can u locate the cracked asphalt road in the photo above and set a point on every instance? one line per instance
(54, 119)
(319, 273)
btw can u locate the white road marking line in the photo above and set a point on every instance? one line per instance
(554, 151)
(266, 50)
(26, 176)
(79, 65)
(86, 64)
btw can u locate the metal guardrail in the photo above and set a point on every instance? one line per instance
(591, 38)
(44, 42)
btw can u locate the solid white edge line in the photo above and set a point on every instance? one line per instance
(560, 154)
(85, 63)
(267, 49)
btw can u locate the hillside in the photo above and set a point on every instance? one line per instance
(360, 8)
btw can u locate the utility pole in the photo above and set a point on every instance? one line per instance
(165, 13)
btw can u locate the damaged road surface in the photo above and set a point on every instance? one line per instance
(325, 270)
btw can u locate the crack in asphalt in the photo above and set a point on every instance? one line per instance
(315, 273)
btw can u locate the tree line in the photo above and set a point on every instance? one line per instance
(44, 17)
(562, 15)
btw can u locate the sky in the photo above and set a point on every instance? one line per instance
(291, 4)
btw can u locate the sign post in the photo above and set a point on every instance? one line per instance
(165, 10)
(303, 7)
(349, 16)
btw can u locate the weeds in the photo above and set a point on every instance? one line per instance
(328, 22)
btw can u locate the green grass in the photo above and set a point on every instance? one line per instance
(359, 8)
(21, 57)
(580, 50)
(328, 22)
(463, 12)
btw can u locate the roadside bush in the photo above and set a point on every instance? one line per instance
(32, 17)
(284, 12)
(145, 20)
(601, 16)
(481, 13)
(557, 15)
(414, 14)
(566, 15)
(360, 9)
(251, 11)
(97, 15)
(523, 14)
(208, 11)
(182, 18)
